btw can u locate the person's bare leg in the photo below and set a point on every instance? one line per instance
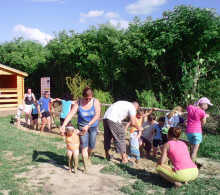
(155, 151)
(49, 123)
(107, 154)
(76, 160)
(124, 158)
(90, 155)
(70, 159)
(43, 123)
(36, 123)
(85, 159)
(26, 119)
(194, 152)
(32, 123)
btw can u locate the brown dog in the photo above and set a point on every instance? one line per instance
(72, 144)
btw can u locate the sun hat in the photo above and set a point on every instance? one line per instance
(204, 100)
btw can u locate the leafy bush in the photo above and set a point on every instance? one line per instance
(148, 99)
(76, 85)
(104, 97)
(211, 89)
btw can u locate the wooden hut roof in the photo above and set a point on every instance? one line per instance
(13, 70)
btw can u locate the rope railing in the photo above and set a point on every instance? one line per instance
(145, 108)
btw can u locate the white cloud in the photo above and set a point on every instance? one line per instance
(48, 1)
(32, 34)
(112, 15)
(141, 7)
(91, 14)
(121, 24)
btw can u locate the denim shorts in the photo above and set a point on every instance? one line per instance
(89, 139)
(135, 152)
(194, 138)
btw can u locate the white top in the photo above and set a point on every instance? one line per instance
(173, 121)
(148, 130)
(119, 111)
(29, 95)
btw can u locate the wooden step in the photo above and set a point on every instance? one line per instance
(8, 90)
(8, 95)
(8, 100)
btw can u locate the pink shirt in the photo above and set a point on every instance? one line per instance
(179, 155)
(195, 114)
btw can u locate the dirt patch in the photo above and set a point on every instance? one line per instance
(209, 168)
(57, 180)
(4, 192)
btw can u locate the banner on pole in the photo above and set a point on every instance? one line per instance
(45, 85)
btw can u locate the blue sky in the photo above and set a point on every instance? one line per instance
(39, 19)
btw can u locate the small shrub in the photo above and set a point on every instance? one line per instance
(76, 85)
(148, 99)
(103, 97)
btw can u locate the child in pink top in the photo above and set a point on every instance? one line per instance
(196, 118)
(184, 169)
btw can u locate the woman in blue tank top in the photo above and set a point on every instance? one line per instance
(88, 109)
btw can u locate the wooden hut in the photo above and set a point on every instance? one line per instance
(11, 87)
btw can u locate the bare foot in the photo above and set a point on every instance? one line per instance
(178, 184)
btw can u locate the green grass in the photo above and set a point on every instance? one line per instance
(210, 147)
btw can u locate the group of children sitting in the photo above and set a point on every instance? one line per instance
(154, 133)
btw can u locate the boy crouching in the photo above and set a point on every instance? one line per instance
(72, 144)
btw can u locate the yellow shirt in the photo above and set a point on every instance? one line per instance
(139, 122)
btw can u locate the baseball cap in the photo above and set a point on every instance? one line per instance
(204, 100)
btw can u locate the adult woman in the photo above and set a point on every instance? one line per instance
(88, 109)
(29, 99)
(195, 119)
(184, 169)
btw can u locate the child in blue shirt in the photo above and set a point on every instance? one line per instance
(159, 138)
(34, 115)
(67, 104)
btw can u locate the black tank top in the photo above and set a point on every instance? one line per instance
(29, 99)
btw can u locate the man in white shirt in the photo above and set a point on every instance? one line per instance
(113, 127)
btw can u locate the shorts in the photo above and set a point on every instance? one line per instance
(194, 138)
(157, 142)
(62, 121)
(34, 116)
(135, 152)
(116, 132)
(27, 109)
(184, 175)
(45, 114)
(89, 139)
